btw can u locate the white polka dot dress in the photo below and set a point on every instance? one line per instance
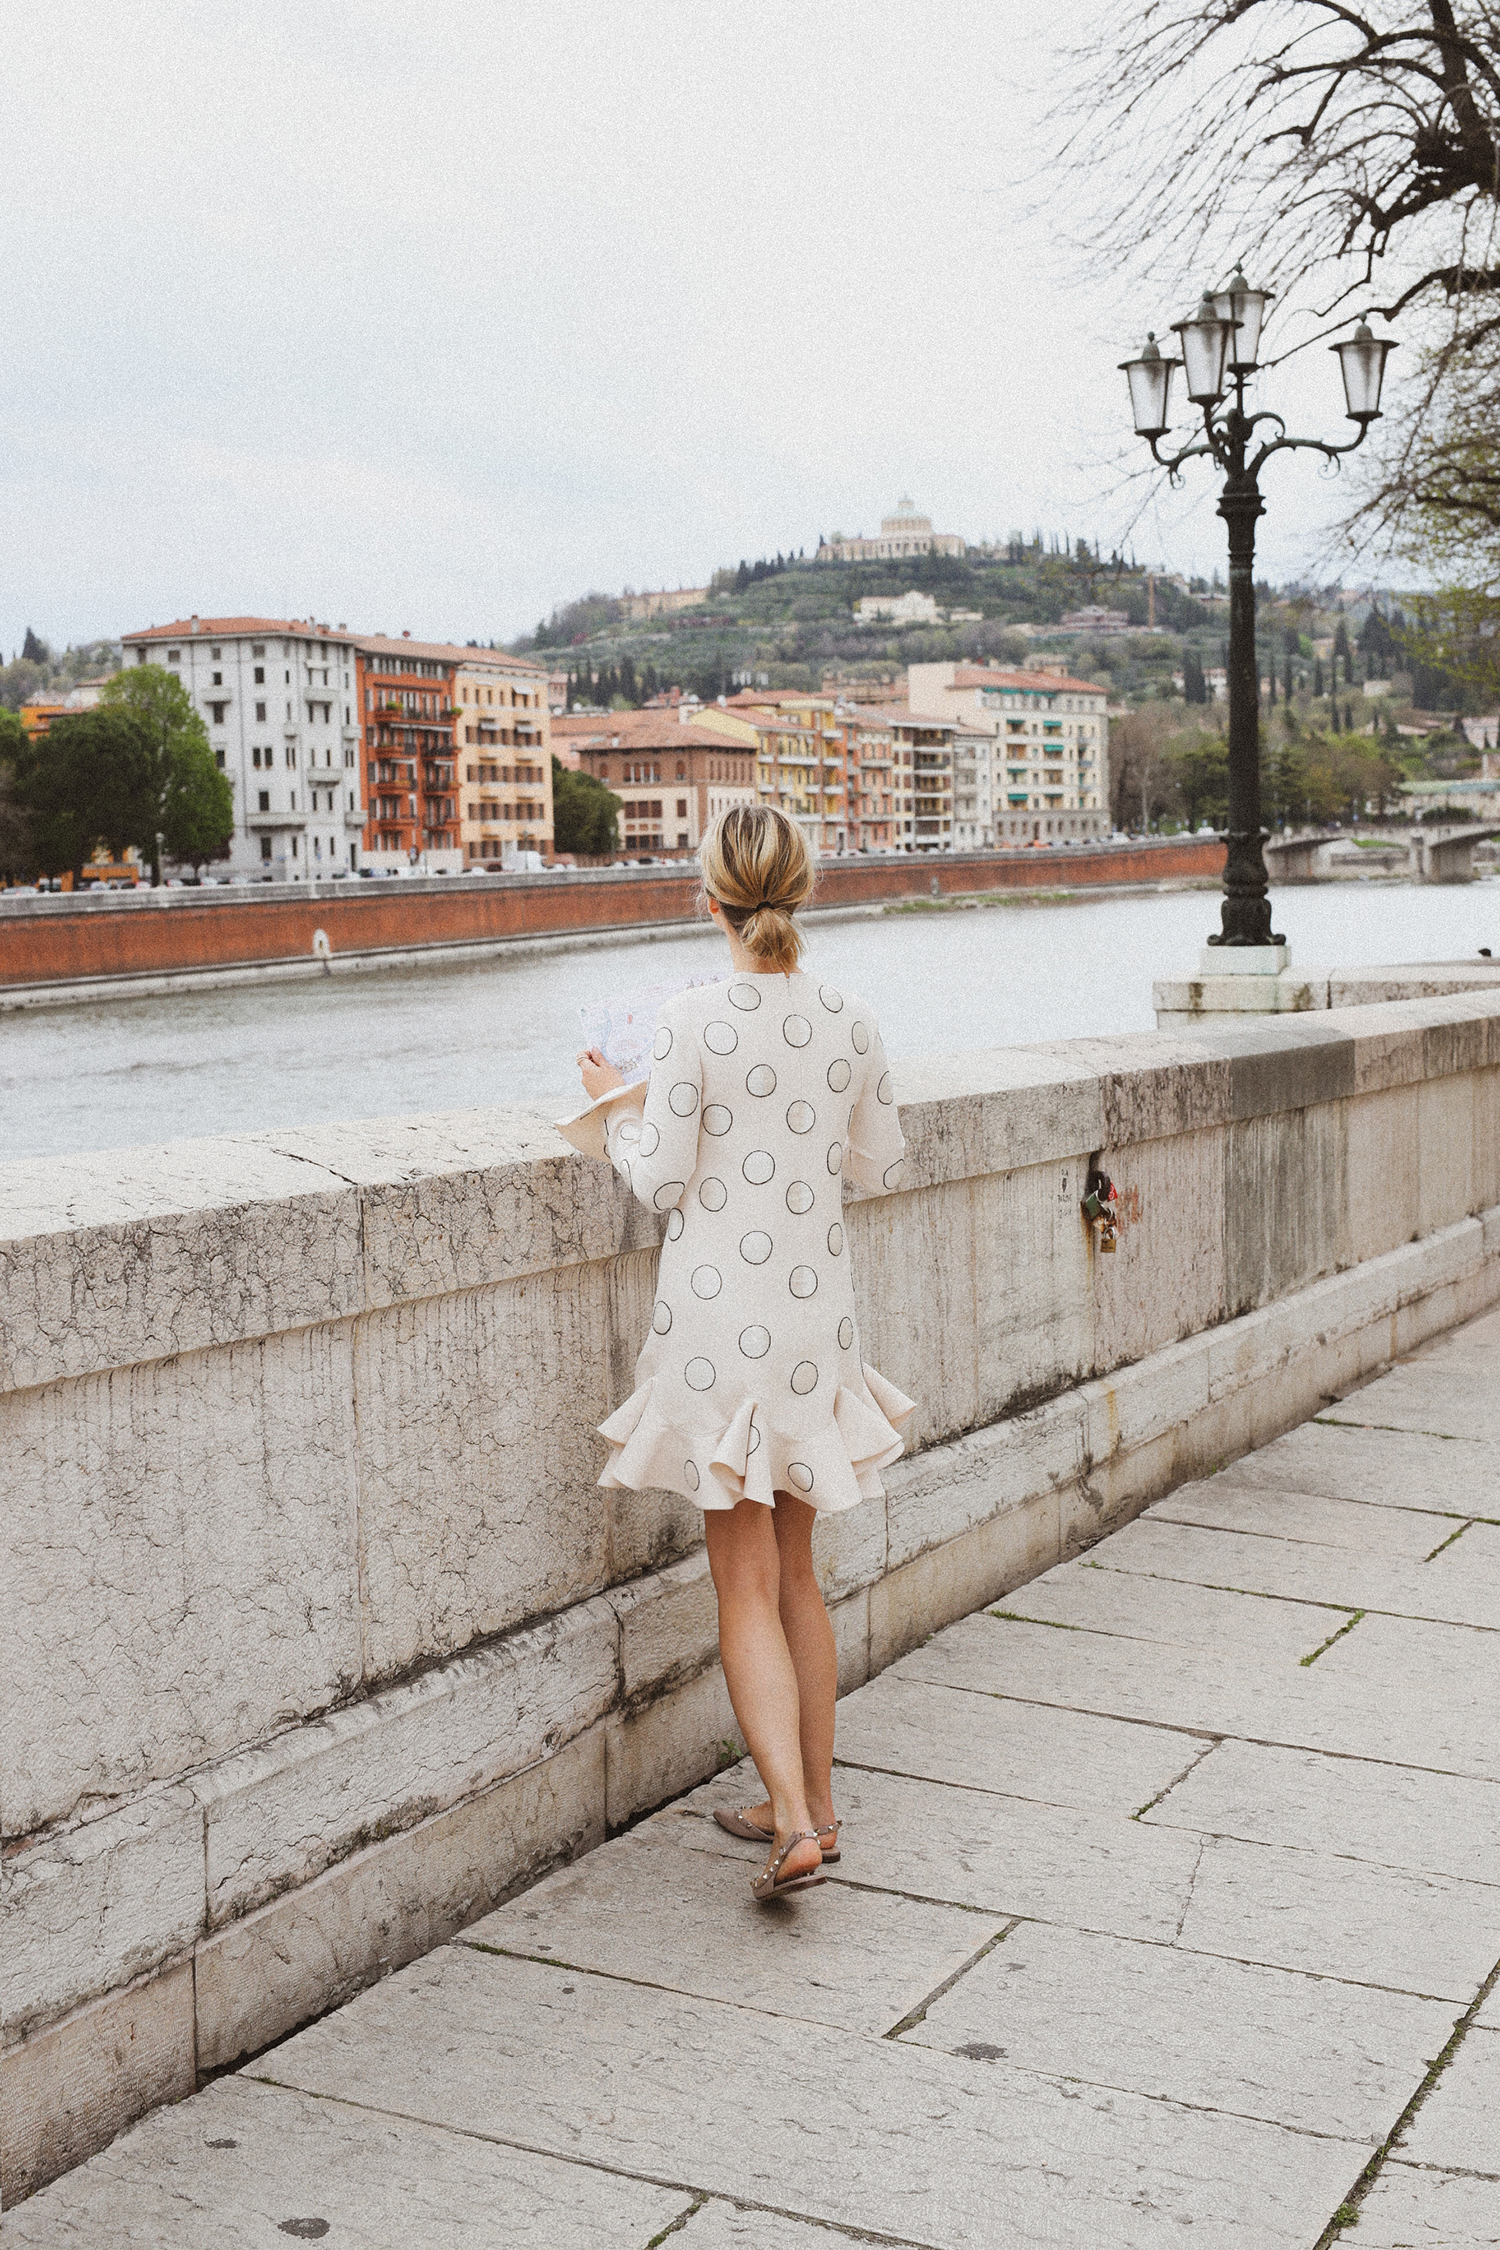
(762, 1092)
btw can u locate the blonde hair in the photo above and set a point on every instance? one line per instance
(757, 865)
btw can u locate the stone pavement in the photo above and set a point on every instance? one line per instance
(1170, 1899)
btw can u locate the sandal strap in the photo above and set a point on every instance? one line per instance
(803, 1836)
(830, 1828)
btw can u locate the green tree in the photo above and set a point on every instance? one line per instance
(85, 781)
(1194, 687)
(585, 814)
(17, 851)
(191, 805)
(1201, 766)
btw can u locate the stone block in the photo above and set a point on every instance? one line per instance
(179, 1539)
(133, 1254)
(1445, 1157)
(70, 2088)
(317, 1946)
(1000, 1109)
(1286, 1202)
(935, 1496)
(1141, 1402)
(477, 1466)
(1384, 1181)
(850, 1620)
(946, 1582)
(1166, 1281)
(669, 1626)
(849, 1548)
(97, 1906)
(1174, 1091)
(1412, 2207)
(278, 1815)
(1301, 1062)
(674, 1742)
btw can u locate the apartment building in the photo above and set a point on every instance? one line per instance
(801, 758)
(1046, 776)
(406, 708)
(921, 777)
(278, 696)
(672, 774)
(503, 758)
(868, 767)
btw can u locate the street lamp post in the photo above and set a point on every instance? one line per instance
(1220, 350)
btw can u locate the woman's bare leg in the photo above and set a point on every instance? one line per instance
(746, 1564)
(814, 1656)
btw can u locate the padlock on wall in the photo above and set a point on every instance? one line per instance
(1100, 1209)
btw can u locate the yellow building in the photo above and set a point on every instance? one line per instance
(503, 756)
(800, 757)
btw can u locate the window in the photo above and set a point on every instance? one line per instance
(294, 800)
(218, 679)
(260, 710)
(291, 754)
(218, 710)
(214, 655)
(174, 656)
(140, 656)
(219, 760)
(265, 806)
(258, 649)
(682, 808)
(265, 846)
(260, 675)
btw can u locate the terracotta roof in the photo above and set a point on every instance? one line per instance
(231, 628)
(444, 652)
(981, 675)
(666, 735)
(902, 715)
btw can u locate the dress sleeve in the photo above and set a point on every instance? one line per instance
(655, 1150)
(876, 1149)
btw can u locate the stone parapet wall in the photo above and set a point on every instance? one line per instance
(322, 1639)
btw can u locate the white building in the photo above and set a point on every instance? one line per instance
(278, 698)
(1046, 775)
(900, 609)
(903, 534)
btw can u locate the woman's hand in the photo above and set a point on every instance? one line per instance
(599, 1077)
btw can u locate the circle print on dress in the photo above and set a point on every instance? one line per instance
(803, 1281)
(661, 1318)
(835, 1156)
(754, 1445)
(831, 1000)
(630, 1131)
(799, 1197)
(804, 1377)
(699, 1374)
(755, 1343)
(835, 1240)
(796, 1031)
(846, 1333)
(801, 1117)
(716, 1118)
(667, 1194)
(707, 1281)
(892, 1172)
(838, 1075)
(756, 1248)
(744, 996)
(760, 1081)
(883, 1090)
(662, 1046)
(650, 1140)
(674, 1226)
(720, 1038)
(859, 1033)
(683, 1099)
(759, 1166)
(712, 1193)
(799, 1475)
(690, 1475)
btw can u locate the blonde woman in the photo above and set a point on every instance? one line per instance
(751, 1396)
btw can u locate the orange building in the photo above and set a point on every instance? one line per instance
(406, 714)
(672, 776)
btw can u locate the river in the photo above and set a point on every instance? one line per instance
(126, 1073)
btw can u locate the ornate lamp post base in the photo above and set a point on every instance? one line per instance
(1217, 960)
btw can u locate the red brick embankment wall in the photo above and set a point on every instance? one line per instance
(62, 939)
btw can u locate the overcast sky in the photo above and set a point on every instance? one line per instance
(434, 317)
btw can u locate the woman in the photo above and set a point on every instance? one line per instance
(751, 1397)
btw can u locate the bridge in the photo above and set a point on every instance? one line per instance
(1431, 854)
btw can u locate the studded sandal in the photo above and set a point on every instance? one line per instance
(771, 1883)
(739, 1823)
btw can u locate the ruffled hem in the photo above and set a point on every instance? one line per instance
(832, 1468)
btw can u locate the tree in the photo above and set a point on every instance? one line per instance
(17, 849)
(1201, 765)
(85, 781)
(585, 814)
(190, 803)
(1194, 686)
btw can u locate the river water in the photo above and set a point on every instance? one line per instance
(126, 1073)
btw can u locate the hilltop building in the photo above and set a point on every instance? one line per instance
(904, 534)
(913, 608)
(278, 698)
(1046, 775)
(665, 603)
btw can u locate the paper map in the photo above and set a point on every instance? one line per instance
(624, 1028)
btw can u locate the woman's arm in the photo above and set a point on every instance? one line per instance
(877, 1147)
(655, 1152)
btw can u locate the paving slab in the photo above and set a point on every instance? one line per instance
(1458, 2126)
(245, 2165)
(728, 2226)
(1005, 1855)
(1424, 1934)
(1224, 1504)
(938, 1733)
(1302, 2051)
(1095, 1597)
(1446, 1716)
(1412, 2209)
(1393, 1816)
(1384, 1468)
(1445, 1401)
(1455, 1588)
(1476, 1344)
(646, 1908)
(927, 2148)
